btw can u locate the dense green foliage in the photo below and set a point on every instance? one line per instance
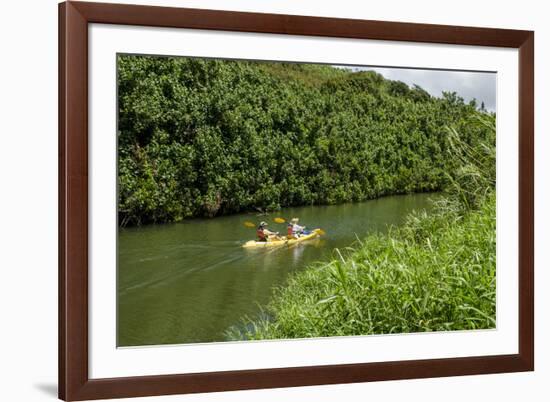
(436, 272)
(209, 137)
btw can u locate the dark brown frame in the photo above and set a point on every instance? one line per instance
(74, 383)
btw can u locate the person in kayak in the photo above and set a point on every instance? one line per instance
(264, 234)
(297, 230)
(289, 231)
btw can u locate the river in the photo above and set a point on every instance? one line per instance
(188, 282)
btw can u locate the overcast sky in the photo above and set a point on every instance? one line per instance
(468, 85)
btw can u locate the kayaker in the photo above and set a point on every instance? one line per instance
(297, 230)
(264, 234)
(290, 231)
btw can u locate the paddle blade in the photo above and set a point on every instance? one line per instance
(320, 232)
(279, 220)
(249, 225)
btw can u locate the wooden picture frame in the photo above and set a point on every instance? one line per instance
(74, 381)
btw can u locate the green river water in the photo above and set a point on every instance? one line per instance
(188, 282)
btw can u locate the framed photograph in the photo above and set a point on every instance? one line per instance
(260, 200)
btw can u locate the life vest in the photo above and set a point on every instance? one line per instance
(260, 233)
(289, 230)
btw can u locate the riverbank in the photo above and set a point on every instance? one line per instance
(437, 272)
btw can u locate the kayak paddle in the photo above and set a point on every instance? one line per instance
(249, 224)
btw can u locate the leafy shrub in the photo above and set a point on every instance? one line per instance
(204, 137)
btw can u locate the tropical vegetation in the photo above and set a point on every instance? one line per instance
(199, 137)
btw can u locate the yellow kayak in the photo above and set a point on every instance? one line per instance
(283, 242)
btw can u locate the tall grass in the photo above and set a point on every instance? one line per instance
(474, 173)
(436, 272)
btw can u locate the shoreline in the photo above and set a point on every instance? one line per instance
(275, 212)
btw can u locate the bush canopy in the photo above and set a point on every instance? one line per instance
(199, 137)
